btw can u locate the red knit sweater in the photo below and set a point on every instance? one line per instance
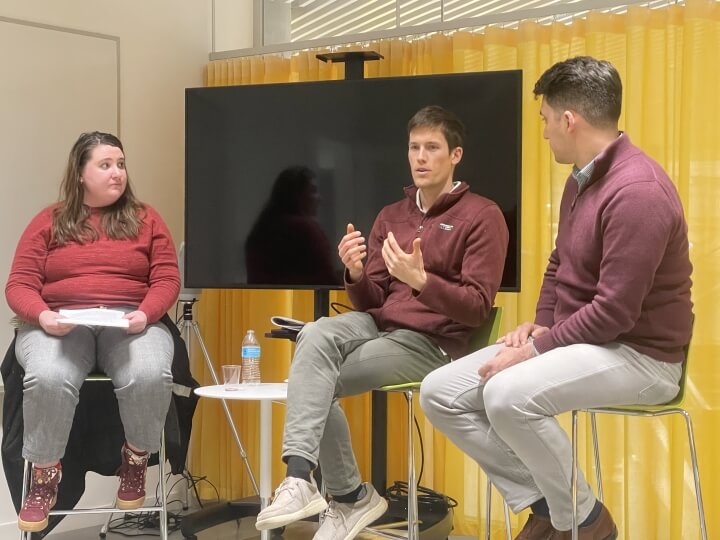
(620, 271)
(142, 272)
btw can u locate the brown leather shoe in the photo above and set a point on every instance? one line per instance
(536, 528)
(603, 528)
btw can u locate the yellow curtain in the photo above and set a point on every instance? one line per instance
(669, 61)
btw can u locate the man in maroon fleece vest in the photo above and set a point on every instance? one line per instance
(424, 278)
(611, 323)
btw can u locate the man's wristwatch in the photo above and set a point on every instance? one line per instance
(531, 341)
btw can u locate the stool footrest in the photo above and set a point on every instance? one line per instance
(106, 510)
(392, 533)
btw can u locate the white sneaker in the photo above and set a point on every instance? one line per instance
(294, 499)
(344, 521)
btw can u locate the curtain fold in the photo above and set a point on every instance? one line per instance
(669, 62)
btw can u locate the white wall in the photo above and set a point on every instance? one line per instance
(46, 102)
(164, 46)
(233, 24)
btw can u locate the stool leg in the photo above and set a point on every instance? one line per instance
(488, 509)
(27, 469)
(696, 474)
(413, 526)
(163, 488)
(508, 530)
(596, 454)
(573, 480)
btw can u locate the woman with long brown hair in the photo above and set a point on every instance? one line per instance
(98, 247)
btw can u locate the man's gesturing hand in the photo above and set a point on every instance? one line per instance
(407, 267)
(352, 251)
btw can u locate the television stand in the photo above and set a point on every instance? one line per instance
(215, 514)
(354, 62)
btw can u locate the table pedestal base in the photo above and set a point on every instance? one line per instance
(217, 514)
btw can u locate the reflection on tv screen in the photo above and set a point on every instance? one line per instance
(274, 173)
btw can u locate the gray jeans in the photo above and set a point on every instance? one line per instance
(508, 425)
(344, 356)
(55, 367)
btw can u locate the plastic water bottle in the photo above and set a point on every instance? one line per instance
(250, 359)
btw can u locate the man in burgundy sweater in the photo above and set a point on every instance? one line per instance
(427, 275)
(611, 323)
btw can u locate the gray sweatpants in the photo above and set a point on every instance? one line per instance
(55, 367)
(508, 425)
(344, 356)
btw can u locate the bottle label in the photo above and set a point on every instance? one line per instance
(250, 351)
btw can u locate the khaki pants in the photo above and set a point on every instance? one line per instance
(508, 425)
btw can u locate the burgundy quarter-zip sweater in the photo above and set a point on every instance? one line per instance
(620, 270)
(464, 243)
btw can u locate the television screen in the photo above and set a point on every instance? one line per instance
(275, 172)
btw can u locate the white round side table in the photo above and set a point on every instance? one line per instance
(265, 393)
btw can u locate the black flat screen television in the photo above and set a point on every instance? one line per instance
(351, 136)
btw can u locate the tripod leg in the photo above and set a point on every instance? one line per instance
(231, 423)
(220, 513)
(106, 526)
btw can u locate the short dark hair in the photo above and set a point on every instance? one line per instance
(588, 86)
(436, 117)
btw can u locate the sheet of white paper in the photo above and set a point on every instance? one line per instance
(94, 317)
